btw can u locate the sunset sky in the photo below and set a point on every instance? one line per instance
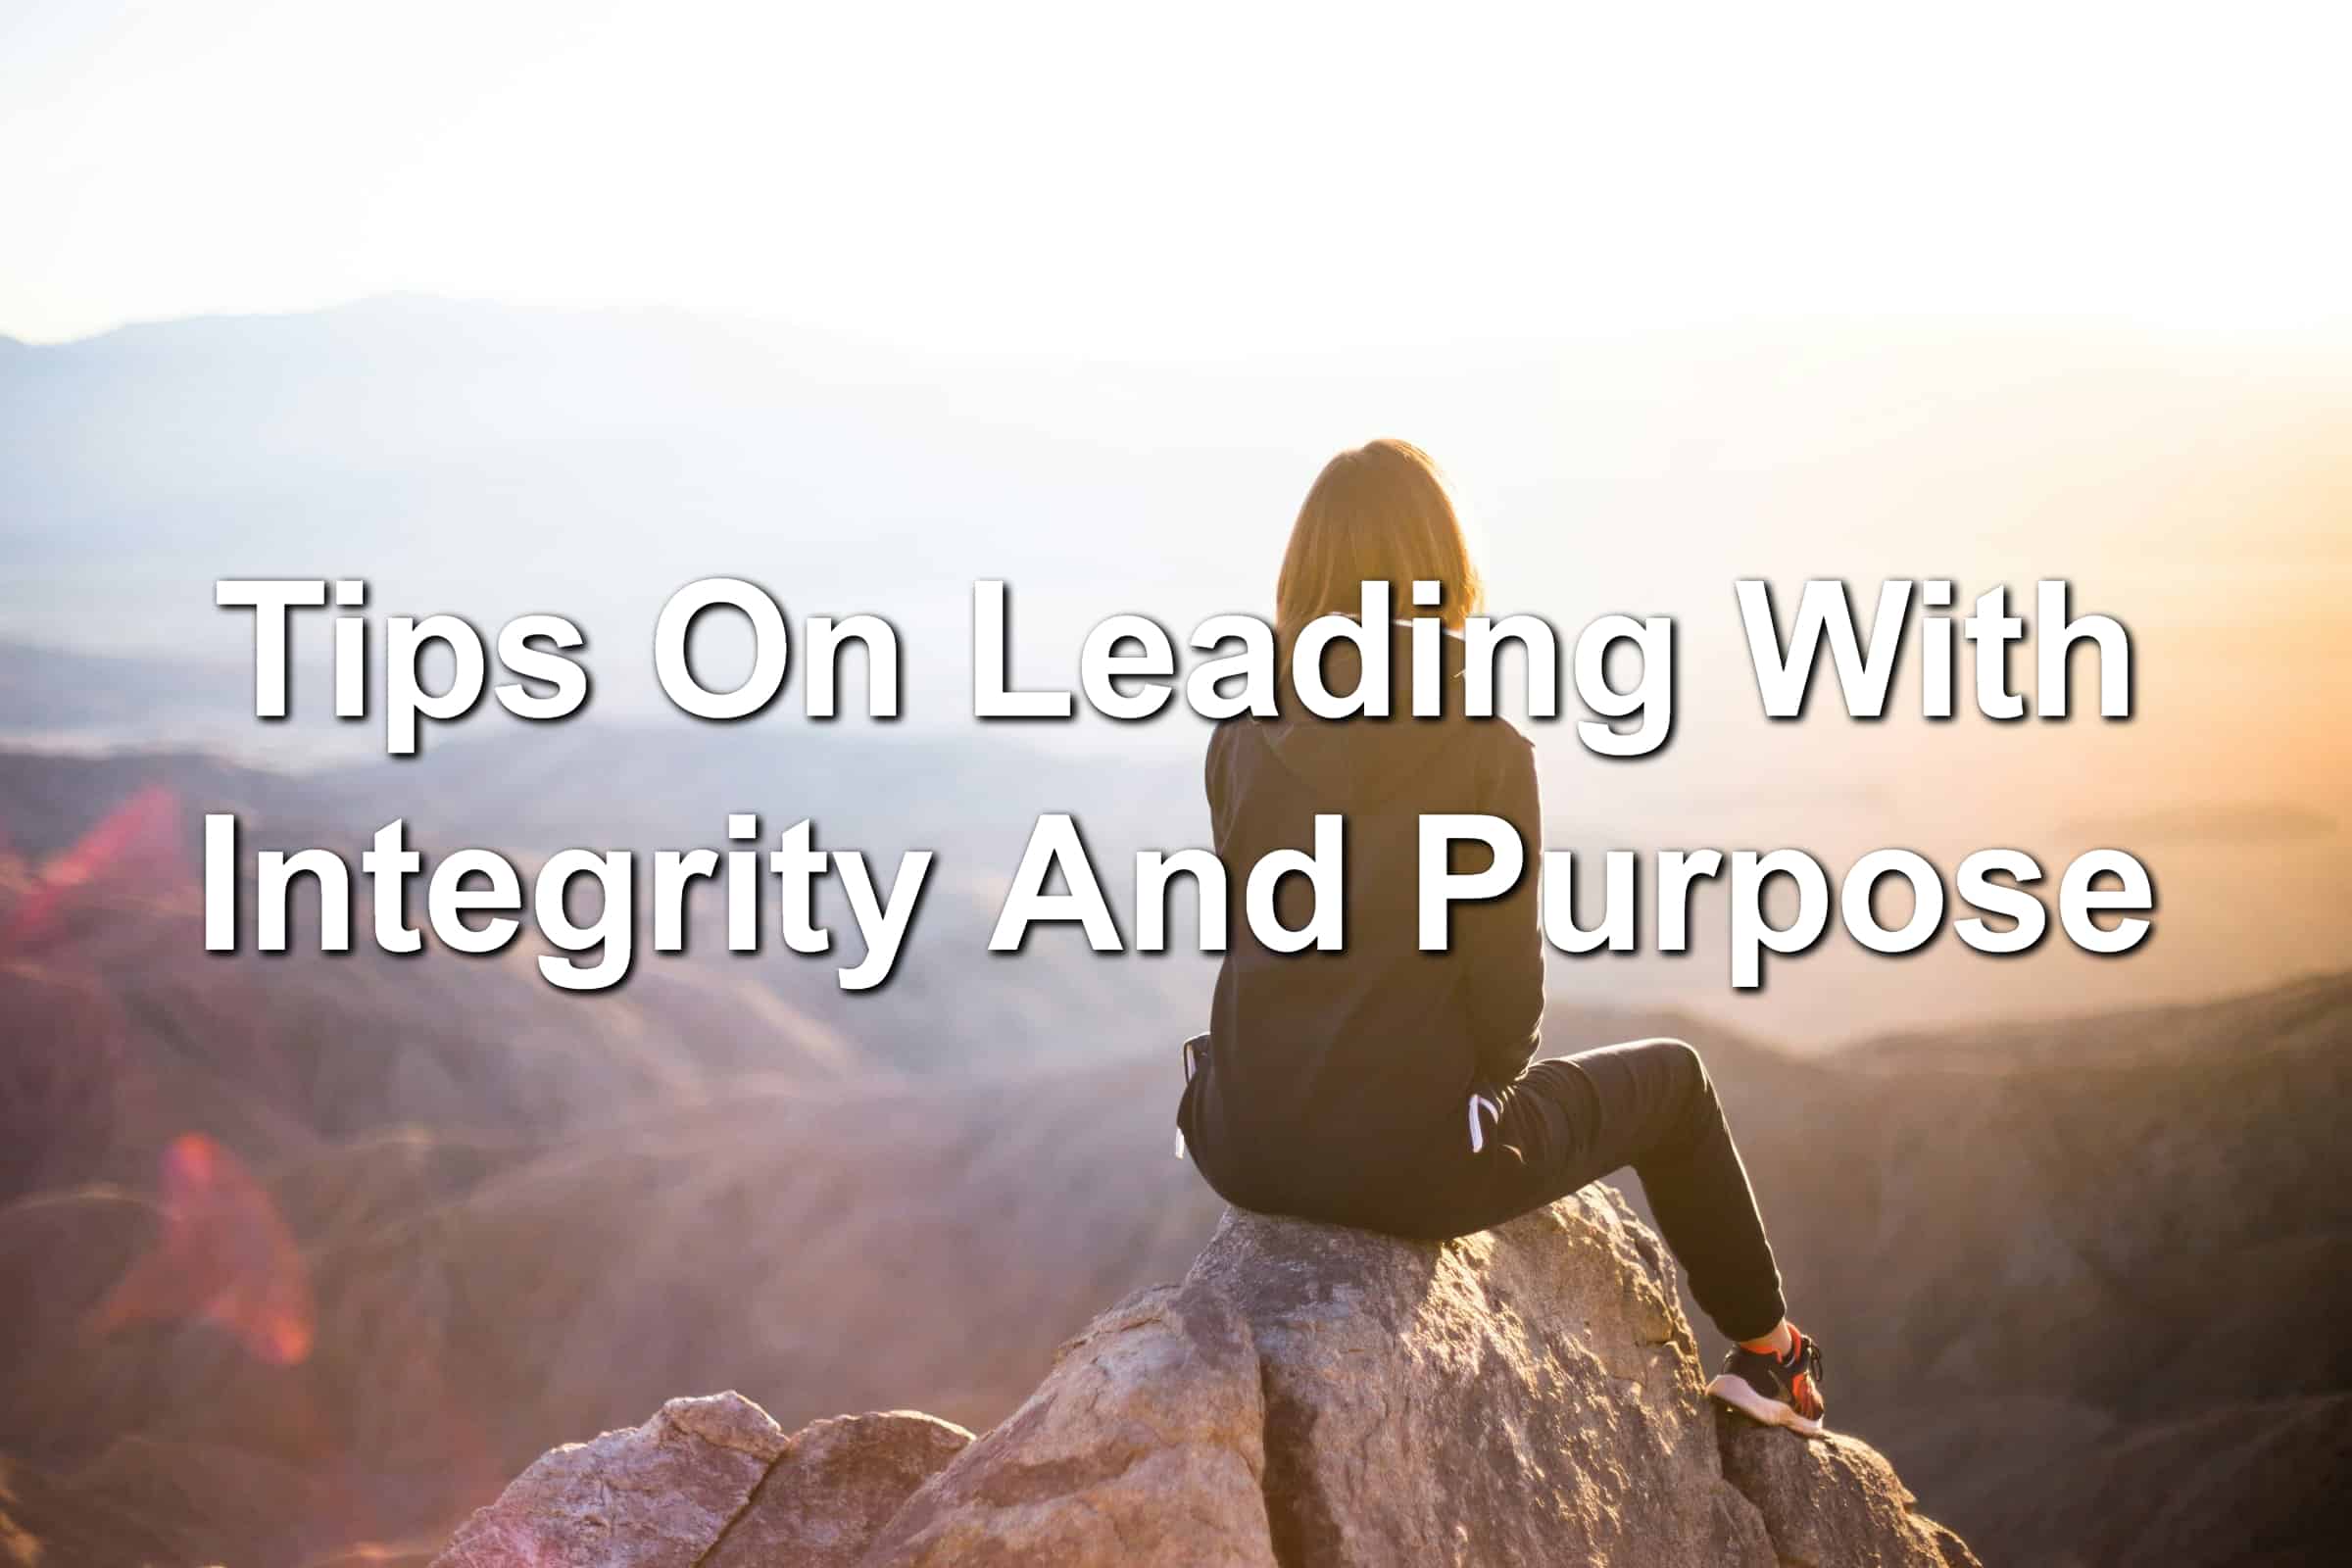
(1679, 298)
(1213, 180)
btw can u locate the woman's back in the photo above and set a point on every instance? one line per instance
(1328, 1063)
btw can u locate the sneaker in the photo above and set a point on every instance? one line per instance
(1777, 1391)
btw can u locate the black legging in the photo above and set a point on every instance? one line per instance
(1648, 1103)
(1562, 1124)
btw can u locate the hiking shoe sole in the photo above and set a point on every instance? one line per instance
(1736, 1392)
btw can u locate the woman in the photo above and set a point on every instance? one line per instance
(1388, 1087)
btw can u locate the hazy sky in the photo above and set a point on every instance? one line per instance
(1188, 179)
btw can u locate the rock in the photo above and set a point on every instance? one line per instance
(710, 1481)
(1526, 1396)
(650, 1497)
(1834, 1501)
(1143, 1447)
(835, 1484)
(1308, 1396)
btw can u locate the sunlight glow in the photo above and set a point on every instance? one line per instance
(1212, 178)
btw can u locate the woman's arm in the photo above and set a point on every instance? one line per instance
(1212, 779)
(1504, 938)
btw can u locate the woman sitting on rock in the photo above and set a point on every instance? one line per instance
(1393, 1088)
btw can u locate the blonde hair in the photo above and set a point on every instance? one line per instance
(1378, 513)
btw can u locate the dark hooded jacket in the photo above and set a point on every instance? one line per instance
(1335, 1084)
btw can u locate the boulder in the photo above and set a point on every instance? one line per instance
(712, 1481)
(1530, 1395)
(1833, 1501)
(1145, 1447)
(834, 1486)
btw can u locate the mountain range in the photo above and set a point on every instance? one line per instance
(310, 1252)
(304, 1256)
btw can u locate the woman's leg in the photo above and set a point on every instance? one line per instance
(1649, 1105)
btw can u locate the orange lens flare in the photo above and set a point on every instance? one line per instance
(224, 1257)
(136, 844)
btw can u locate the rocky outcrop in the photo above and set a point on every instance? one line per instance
(1830, 1502)
(834, 1486)
(1307, 1396)
(712, 1481)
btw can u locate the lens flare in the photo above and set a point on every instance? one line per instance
(225, 1257)
(137, 845)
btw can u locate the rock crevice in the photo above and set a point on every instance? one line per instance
(1307, 1396)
